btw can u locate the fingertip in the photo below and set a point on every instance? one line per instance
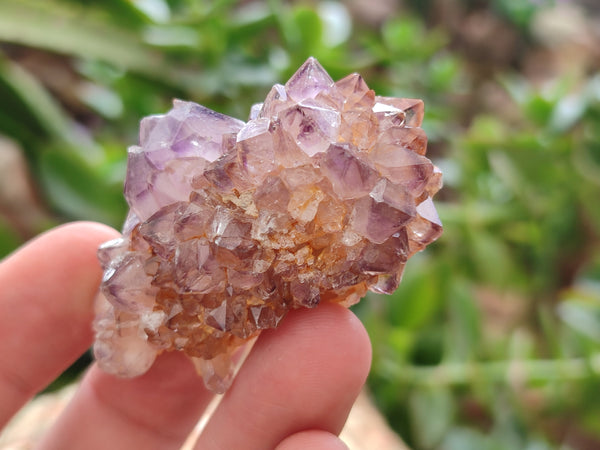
(64, 262)
(155, 410)
(81, 233)
(312, 440)
(329, 328)
(306, 374)
(46, 307)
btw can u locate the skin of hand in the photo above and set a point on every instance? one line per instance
(294, 391)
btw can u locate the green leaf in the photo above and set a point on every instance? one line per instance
(9, 239)
(539, 109)
(464, 331)
(582, 317)
(400, 341)
(124, 12)
(75, 189)
(432, 413)
(62, 28)
(407, 38)
(399, 35)
(443, 71)
(36, 101)
(417, 299)
(519, 12)
(493, 261)
(568, 111)
(465, 439)
(310, 28)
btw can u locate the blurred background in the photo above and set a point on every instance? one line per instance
(493, 339)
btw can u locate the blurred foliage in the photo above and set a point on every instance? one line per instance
(493, 339)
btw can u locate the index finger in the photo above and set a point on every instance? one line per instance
(47, 289)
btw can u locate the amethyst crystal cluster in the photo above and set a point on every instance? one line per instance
(323, 194)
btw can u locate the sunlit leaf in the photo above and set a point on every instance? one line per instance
(55, 26)
(584, 318)
(40, 105)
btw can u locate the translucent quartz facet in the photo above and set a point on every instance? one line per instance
(324, 194)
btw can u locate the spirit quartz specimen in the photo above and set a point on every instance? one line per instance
(322, 195)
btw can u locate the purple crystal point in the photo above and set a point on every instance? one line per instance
(276, 100)
(308, 81)
(411, 110)
(147, 189)
(256, 148)
(354, 92)
(311, 125)
(349, 176)
(188, 130)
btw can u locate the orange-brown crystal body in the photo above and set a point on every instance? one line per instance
(324, 194)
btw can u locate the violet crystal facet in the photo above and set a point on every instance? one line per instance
(321, 196)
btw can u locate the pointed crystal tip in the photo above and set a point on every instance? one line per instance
(310, 79)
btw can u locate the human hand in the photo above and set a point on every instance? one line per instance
(294, 391)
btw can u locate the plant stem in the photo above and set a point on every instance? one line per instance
(516, 373)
